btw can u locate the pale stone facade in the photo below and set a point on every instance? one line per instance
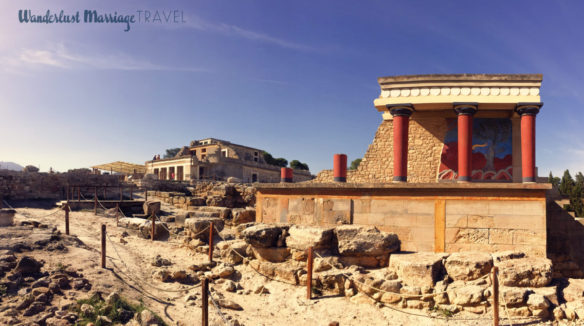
(217, 159)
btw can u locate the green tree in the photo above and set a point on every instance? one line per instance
(555, 181)
(269, 159)
(171, 152)
(355, 164)
(295, 164)
(576, 200)
(580, 179)
(566, 184)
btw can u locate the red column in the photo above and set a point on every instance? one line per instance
(286, 175)
(401, 118)
(528, 111)
(340, 167)
(465, 112)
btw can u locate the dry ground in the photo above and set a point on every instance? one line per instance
(132, 277)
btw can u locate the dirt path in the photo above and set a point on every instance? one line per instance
(130, 273)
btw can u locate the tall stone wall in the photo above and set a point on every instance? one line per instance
(425, 142)
(33, 185)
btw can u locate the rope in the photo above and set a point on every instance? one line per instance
(218, 309)
(505, 306)
(55, 210)
(135, 279)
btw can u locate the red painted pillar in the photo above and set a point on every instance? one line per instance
(340, 167)
(465, 112)
(286, 175)
(401, 118)
(528, 111)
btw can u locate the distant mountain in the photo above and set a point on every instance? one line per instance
(10, 166)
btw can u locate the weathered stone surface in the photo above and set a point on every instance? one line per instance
(468, 266)
(548, 292)
(263, 235)
(274, 255)
(302, 237)
(507, 255)
(133, 223)
(228, 304)
(160, 230)
(159, 261)
(199, 227)
(286, 272)
(151, 207)
(465, 295)
(243, 215)
(528, 272)
(233, 250)
(575, 290)
(364, 261)
(6, 216)
(355, 240)
(28, 266)
(147, 318)
(513, 295)
(419, 269)
(537, 301)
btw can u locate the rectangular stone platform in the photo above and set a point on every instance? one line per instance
(440, 217)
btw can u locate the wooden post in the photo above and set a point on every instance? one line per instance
(103, 246)
(205, 302)
(153, 227)
(146, 194)
(95, 204)
(211, 241)
(95, 191)
(117, 214)
(495, 296)
(309, 274)
(78, 194)
(132, 192)
(66, 208)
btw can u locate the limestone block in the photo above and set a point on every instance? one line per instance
(355, 240)
(303, 237)
(526, 272)
(417, 269)
(263, 235)
(468, 266)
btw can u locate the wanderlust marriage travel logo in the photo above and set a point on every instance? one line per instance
(96, 17)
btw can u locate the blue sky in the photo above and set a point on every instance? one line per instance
(295, 78)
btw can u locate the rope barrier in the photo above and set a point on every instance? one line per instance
(218, 309)
(145, 283)
(505, 306)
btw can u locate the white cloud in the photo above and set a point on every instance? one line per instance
(61, 57)
(227, 29)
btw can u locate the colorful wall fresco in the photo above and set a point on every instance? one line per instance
(491, 150)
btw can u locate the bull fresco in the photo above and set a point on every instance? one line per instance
(491, 151)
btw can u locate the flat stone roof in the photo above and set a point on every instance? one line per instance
(461, 77)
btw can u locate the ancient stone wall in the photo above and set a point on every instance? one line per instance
(33, 185)
(425, 142)
(427, 222)
(565, 237)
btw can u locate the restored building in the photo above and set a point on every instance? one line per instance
(217, 159)
(451, 168)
